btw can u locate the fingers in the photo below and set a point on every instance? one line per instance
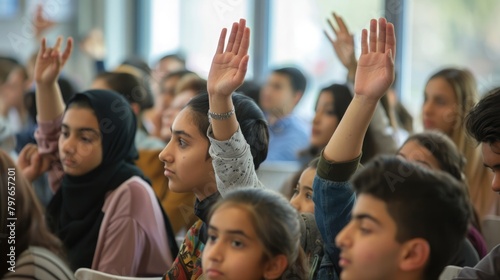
(43, 48)
(373, 35)
(245, 42)
(222, 39)
(390, 39)
(328, 36)
(242, 69)
(340, 23)
(239, 36)
(364, 41)
(232, 37)
(68, 50)
(57, 46)
(382, 22)
(332, 27)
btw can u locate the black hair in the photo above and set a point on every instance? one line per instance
(252, 122)
(175, 56)
(127, 85)
(483, 120)
(297, 79)
(423, 203)
(443, 150)
(342, 97)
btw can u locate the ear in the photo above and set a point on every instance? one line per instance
(275, 267)
(136, 108)
(414, 255)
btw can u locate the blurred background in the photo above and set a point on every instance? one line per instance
(431, 35)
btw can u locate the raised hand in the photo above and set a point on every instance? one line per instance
(41, 23)
(50, 61)
(31, 163)
(375, 72)
(343, 43)
(229, 66)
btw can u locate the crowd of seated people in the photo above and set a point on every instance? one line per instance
(153, 172)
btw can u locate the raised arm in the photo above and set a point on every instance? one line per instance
(49, 63)
(343, 44)
(226, 74)
(374, 75)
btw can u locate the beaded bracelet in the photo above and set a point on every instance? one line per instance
(223, 116)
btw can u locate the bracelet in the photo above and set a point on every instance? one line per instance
(219, 117)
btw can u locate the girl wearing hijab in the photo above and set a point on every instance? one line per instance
(104, 209)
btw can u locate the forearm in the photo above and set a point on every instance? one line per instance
(49, 102)
(347, 140)
(223, 129)
(351, 72)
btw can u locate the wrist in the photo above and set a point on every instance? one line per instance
(366, 100)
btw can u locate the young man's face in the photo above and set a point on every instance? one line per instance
(277, 95)
(491, 159)
(369, 249)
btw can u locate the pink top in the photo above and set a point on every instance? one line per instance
(132, 239)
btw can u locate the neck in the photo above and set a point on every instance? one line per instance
(274, 116)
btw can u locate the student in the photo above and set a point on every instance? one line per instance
(437, 151)
(449, 95)
(209, 156)
(483, 124)
(177, 206)
(406, 224)
(104, 210)
(245, 242)
(278, 97)
(302, 189)
(38, 253)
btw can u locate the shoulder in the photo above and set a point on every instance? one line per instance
(133, 197)
(40, 263)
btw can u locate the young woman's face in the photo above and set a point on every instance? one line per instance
(233, 249)
(80, 145)
(302, 196)
(414, 152)
(440, 109)
(325, 121)
(368, 245)
(187, 163)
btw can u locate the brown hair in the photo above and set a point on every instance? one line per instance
(31, 228)
(276, 223)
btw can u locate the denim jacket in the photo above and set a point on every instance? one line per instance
(334, 199)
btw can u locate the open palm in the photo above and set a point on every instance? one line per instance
(375, 72)
(229, 67)
(50, 61)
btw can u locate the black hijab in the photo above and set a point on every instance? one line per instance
(75, 212)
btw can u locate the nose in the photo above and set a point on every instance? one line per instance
(495, 184)
(68, 145)
(427, 108)
(316, 118)
(295, 203)
(343, 239)
(214, 251)
(166, 155)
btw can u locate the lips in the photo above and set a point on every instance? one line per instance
(168, 172)
(428, 124)
(213, 273)
(69, 162)
(343, 262)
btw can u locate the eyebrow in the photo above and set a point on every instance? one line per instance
(82, 129)
(233, 232)
(180, 133)
(363, 216)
